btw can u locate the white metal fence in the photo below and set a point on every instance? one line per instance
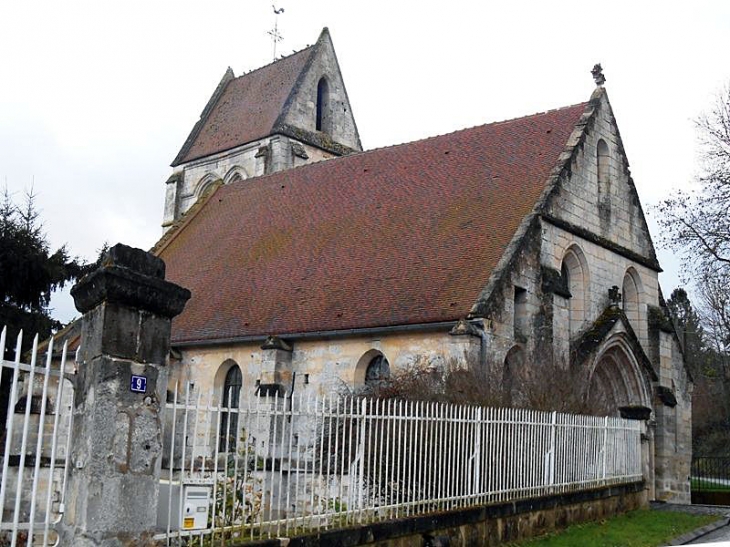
(279, 466)
(35, 445)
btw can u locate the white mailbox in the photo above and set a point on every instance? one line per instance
(188, 513)
(195, 507)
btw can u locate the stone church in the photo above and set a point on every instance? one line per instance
(500, 249)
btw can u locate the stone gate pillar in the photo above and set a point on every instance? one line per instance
(121, 384)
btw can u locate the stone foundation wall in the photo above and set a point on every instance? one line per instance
(483, 526)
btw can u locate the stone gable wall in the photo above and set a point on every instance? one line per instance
(615, 214)
(303, 108)
(607, 226)
(617, 219)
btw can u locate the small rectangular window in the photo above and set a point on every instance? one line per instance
(520, 313)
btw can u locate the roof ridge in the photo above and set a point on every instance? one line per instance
(469, 128)
(549, 111)
(177, 227)
(408, 143)
(282, 58)
(489, 124)
(227, 78)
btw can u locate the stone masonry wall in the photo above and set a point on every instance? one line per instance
(673, 430)
(612, 236)
(244, 160)
(302, 111)
(323, 366)
(605, 269)
(613, 213)
(490, 525)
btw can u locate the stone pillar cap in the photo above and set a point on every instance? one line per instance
(274, 342)
(131, 277)
(635, 412)
(464, 328)
(124, 256)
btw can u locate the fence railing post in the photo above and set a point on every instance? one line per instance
(551, 451)
(361, 455)
(605, 446)
(121, 387)
(477, 455)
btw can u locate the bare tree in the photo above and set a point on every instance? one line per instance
(543, 386)
(714, 291)
(697, 223)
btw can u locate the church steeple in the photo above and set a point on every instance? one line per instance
(290, 112)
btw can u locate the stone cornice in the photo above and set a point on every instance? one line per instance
(649, 262)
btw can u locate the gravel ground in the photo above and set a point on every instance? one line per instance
(718, 537)
(721, 510)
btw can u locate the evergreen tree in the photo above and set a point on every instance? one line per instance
(29, 272)
(689, 329)
(710, 401)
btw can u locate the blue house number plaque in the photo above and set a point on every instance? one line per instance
(138, 384)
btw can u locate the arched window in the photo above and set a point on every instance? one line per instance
(574, 270)
(205, 185)
(602, 164)
(230, 400)
(323, 99)
(514, 377)
(630, 295)
(521, 323)
(378, 370)
(235, 174)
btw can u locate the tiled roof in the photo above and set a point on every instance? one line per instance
(247, 109)
(401, 235)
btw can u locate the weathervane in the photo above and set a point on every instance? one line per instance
(598, 76)
(274, 33)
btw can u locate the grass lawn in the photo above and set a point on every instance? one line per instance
(643, 528)
(707, 484)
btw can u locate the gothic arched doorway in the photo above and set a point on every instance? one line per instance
(616, 381)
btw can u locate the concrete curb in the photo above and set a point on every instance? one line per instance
(699, 532)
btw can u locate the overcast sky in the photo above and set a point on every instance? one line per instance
(96, 98)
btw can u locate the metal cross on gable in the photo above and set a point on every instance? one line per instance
(276, 37)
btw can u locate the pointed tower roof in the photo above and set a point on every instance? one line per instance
(252, 106)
